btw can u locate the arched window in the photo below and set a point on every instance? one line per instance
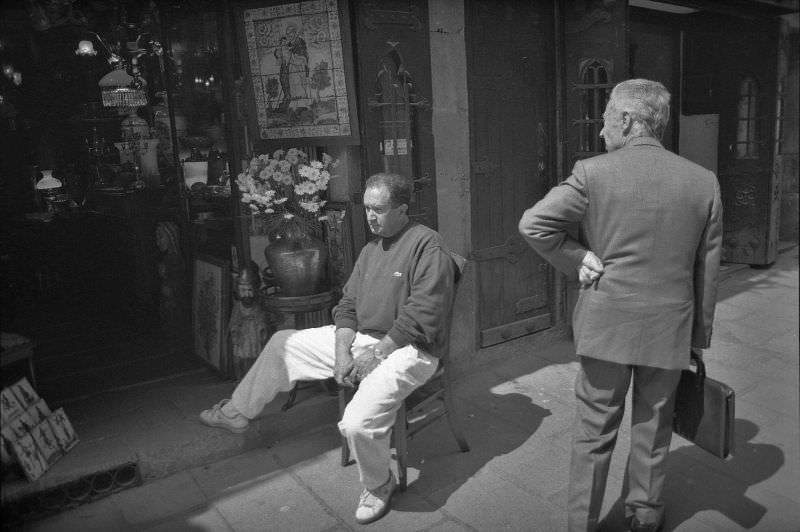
(748, 132)
(595, 88)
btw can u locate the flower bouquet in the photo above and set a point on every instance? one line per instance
(287, 190)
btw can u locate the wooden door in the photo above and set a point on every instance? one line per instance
(394, 81)
(510, 77)
(595, 59)
(750, 190)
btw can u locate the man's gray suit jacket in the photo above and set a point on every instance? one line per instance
(655, 220)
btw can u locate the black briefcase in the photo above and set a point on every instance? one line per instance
(704, 411)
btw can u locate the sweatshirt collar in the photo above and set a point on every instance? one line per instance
(388, 241)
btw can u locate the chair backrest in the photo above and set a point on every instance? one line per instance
(460, 263)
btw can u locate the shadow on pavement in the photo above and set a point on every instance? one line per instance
(697, 482)
(501, 409)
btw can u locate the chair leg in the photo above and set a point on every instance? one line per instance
(344, 445)
(452, 418)
(401, 447)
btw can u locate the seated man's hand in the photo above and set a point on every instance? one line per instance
(343, 369)
(364, 364)
(343, 366)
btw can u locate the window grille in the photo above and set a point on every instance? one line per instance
(595, 90)
(748, 132)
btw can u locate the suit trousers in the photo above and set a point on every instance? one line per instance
(309, 354)
(600, 389)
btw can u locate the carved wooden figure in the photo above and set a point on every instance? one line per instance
(249, 323)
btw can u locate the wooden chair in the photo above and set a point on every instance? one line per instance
(425, 405)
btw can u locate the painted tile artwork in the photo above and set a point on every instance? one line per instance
(296, 60)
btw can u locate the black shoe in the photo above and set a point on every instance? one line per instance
(636, 526)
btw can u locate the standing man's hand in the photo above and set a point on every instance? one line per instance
(590, 270)
(343, 367)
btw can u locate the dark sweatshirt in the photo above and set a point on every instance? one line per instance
(401, 286)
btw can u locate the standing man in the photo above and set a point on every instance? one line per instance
(647, 257)
(388, 329)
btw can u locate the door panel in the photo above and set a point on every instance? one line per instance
(394, 81)
(750, 192)
(511, 108)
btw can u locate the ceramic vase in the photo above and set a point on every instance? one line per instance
(298, 264)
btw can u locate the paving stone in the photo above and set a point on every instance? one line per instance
(208, 519)
(441, 464)
(489, 502)
(159, 499)
(450, 525)
(99, 516)
(541, 465)
(780, 397)
(226, 475)
(279, 504)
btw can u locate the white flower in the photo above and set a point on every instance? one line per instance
(316, 165)
(310, 206)
(278, 154)
(308, 172)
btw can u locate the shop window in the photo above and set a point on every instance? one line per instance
(748, 134)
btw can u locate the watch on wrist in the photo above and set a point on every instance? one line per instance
(380, 355)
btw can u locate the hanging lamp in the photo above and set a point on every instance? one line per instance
(120, 89)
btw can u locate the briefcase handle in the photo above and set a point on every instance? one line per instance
(701, 367)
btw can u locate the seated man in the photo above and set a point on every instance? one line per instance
(388, 328)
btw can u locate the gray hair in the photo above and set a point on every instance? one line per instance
(400, 187)
(646, 101)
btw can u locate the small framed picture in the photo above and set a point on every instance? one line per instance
(211, 294)
(17, 428)
(26, 421)
(29, 457)
(63, 430)
(46, 441)
(25, 392)
(39, 411)
(10, 406)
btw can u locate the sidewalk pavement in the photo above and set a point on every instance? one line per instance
(517, 417)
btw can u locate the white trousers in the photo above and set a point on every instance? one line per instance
(309, 354)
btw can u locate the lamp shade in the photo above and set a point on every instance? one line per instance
(47, 181)
(117, 90)
(85, 48)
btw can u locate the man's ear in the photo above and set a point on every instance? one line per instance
(627, 123)
(404, 206)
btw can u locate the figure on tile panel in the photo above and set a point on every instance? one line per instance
(647, 257)
(389, 327)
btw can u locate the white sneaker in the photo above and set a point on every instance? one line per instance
(215, 417)
(374, 504)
